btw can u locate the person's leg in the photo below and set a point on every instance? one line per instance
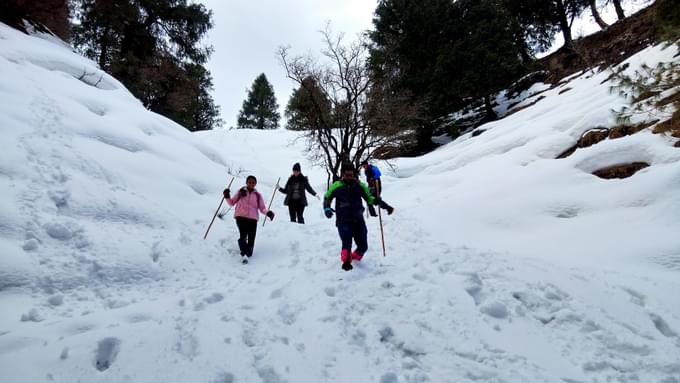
(291, 211)
(387, 207)
(360, 234)
(345, 232)
(252, 230)
(300, 212)
(242, 225)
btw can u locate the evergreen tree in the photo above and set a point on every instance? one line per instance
(485, 59)
(154, 48)
(668, 20)
(546, 15)
(445, 54)
(260, 109)
(308, 107)
(406, 42)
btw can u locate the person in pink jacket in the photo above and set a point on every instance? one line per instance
(249, 203)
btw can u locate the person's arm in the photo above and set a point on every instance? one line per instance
(284, 189)
(367, 194)
(234, 199)
(261, 205)
(309, 187)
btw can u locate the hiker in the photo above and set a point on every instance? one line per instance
(296, 198)
(348, 193)
(373, 174)
(248, 201)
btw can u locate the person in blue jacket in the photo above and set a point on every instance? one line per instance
(348, 193)
(373, 174)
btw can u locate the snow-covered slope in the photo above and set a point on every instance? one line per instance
(504, 189)
(503, 264)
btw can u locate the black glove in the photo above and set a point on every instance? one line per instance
(282, 190)
(226, 193)
(377, 201)
(270, 214)
(328, 212)
(242, 192)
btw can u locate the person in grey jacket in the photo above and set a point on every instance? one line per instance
(296, 199)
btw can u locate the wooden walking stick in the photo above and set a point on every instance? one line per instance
(217, 211)
(276, 187)
(382, 234)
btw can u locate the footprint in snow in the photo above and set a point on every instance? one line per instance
(107, 351)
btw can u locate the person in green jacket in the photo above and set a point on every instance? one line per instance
(349, 194)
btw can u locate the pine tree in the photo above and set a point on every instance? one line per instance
(485, 59)
(406, 41)
(545, 15)
(260, 109)
(308, 107)
(154, 48)
(668, 20)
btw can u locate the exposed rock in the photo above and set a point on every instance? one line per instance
(596, 135)
(592, 137)
(677, 144)
(624, 130)
(620, 171)
(477, 132)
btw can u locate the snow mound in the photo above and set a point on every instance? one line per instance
(91, 180)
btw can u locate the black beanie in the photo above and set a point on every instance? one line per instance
(296, 166)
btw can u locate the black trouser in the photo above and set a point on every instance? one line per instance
(247, 228)
(296, 210)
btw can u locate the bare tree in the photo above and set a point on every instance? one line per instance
(340, 134)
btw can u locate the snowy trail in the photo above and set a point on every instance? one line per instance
(450, 315)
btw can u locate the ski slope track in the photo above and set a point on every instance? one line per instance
(503, 263)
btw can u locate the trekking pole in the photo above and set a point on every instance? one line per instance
(276, 187)
(382, 234)
(217, 211)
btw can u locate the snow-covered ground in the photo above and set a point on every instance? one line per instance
(503, 264)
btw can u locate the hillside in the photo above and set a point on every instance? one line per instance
(504, 263)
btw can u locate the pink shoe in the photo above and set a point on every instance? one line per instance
(356, 256)
(344, 256)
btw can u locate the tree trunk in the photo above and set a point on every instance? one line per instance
(490, 113)
(619, 9)
(424, 138)
(564, 24)
(596, 15)
(104, 49)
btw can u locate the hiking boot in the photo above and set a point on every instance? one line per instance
(356, 256)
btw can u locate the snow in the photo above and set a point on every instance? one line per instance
(503, 263)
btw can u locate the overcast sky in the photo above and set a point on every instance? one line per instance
(247, 34)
